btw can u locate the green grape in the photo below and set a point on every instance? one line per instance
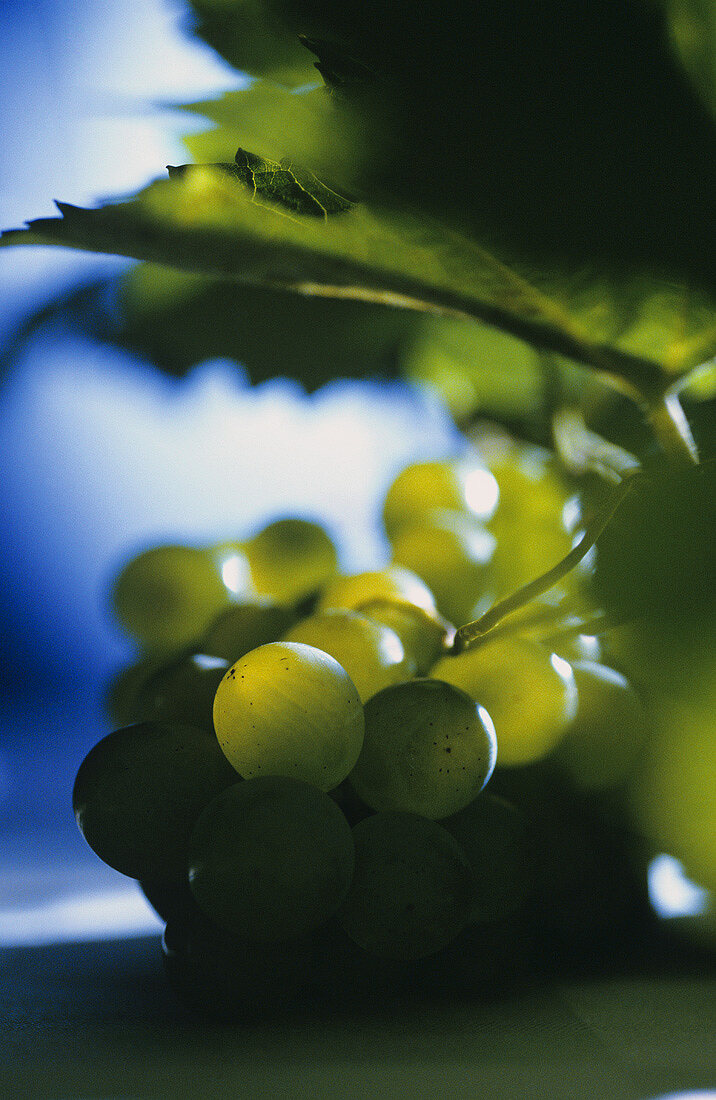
(580, 647)
(124, 690)
(605, 739)
(411, 890)
(243, 627)
(168, 595)
(452, 554)
(393, 582)
(183, 691)
(270, 858)
(139, 791)
(289, 709)
(216, 974)
(170, 900)
(461, 484)
(372, 654)
(233, 565)
(530, 484)
(674, 795)
(424, 635)
(493, 835)
(527, 547)
(290, 559)
(428, 749)
(529, 693)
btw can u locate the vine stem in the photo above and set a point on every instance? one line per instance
(476, 631)
(671, 428)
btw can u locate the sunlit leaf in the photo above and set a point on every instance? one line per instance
(208, 221)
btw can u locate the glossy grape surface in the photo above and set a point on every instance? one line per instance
(139, 791)
(270, 858)
(428, 749)
(166, 596)
(452, 554)
(411, 889)
(289, 709)
(609, 729)
(372, 654)
(461, 484)
(529, 693)
(424, 635)
(393, 582)
(289, 559)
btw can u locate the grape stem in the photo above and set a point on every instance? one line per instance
(476, 631)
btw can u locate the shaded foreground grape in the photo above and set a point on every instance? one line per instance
(270, 858)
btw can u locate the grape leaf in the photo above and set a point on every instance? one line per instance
(205, 220)
(281, 182)
(561, 131)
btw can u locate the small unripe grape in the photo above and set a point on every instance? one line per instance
(393, 582)
(270, 858)
(493, 835)
(183, 691)
(289, 709)
(528, 692)
(139, 791)
(372, 654)
(609, 729)
(290, 559)
(411, 888)
(244, 627)
(461, 484)
(424, 635)
(166, 596)
(428, 749)
(452, 554)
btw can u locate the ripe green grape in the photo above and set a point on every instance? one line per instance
(452, 554)
(290, 559)
(530, 484)
(166, 596)
(428, 749)
(243, 627)
(183, 691)
(674, 794)
(372, 654)
(393, 582)
(461, 484)
(289, 709)
(411, 890)
(139, 791)
(608, 732)
(270, 858)
(424, 635)
(493, 834)
(529, 693)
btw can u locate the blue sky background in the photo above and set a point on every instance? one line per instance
(100, 457)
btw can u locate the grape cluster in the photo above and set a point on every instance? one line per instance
(299, 778)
